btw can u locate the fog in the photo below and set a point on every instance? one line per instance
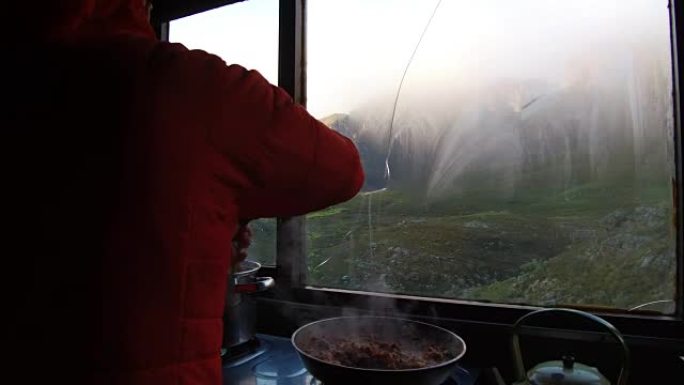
(523, 92)
(358, 48)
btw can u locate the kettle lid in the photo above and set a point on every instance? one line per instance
(565, 372)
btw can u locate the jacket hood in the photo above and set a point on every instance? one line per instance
(63, 19)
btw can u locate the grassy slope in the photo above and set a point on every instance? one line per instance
(544, 247)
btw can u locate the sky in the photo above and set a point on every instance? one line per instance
(358, 49)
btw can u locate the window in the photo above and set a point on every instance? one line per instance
(566, 198)
(244, 33)
(515, 152)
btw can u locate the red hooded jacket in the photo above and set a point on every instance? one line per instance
(129, 164)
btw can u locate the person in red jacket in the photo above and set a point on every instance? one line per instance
(130, 165)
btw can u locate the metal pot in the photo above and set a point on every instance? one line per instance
(239, 316)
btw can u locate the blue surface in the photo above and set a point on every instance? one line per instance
(276, 362)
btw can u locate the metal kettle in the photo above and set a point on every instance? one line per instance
(565, 371)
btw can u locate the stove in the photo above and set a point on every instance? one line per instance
(270, 360)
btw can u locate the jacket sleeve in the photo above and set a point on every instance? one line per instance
(282, 160)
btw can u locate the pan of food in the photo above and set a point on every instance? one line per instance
(377, 350)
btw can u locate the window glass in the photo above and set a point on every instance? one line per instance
(263, 247)
(525, 157)
(244, 33)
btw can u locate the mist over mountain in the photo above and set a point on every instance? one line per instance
(605, 120)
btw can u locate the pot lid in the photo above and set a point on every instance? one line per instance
(565, 372)
(246, 267)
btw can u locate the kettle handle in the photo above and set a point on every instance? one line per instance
(521, 373)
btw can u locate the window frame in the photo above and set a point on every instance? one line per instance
(640, 328)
